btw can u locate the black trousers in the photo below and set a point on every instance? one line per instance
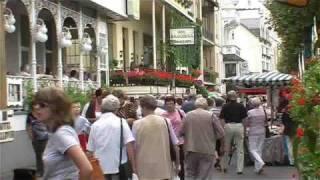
(39, 146)
(181, 153)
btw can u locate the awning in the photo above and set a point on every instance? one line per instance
(253, 91)
(263, 79)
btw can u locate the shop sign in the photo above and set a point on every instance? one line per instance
(182, 36)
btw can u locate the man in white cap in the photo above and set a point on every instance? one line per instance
(104, 139)
(233, 114)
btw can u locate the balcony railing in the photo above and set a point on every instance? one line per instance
(231, 49)
(18, 87)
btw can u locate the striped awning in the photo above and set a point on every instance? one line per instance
(263, 79)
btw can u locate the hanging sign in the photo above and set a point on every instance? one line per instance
(182, 36)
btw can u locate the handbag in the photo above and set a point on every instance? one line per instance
(172, 149)
(123, 168)
(97, 173)
(266, 126)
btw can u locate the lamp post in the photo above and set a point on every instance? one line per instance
(3, 66)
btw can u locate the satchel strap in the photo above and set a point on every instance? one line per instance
(121, 141)
(265, 115)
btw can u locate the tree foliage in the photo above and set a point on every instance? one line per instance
(291, 24)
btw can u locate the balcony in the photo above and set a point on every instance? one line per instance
(18, 88)
(231, 53)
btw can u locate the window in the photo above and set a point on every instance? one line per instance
(231, 70)
(263, 65)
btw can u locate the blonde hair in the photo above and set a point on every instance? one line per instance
(59, 104)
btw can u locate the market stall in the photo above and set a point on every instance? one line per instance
(269, 85)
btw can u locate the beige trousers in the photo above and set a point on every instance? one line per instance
(234, 134)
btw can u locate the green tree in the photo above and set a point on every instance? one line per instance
(290, 23)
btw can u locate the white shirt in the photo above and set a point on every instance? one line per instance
(104, 141)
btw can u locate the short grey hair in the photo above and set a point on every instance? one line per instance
(201, 103)
(256, 102)
(110, 104)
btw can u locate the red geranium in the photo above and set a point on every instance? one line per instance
(302, 102)
(300, 133)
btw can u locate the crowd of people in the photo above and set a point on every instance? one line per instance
(144, 138)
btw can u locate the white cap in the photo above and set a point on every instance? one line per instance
(110, 103)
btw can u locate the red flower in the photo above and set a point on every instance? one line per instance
(300, 133)
(302, 102)
(295, 81)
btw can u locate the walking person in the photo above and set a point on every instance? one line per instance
(63, 157)
(92, 110)
(201, 129)
(81, 125)
(216, 109)
(127, 110)
(255, 125)
(176, 117)
(233, 114)
(38, 134)
(156, 143)
(111, 141)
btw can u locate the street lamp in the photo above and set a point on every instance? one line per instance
(86, 43)
(65, 39)
(9, 21)
(40, 31)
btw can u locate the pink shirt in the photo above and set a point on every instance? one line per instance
(176, 121)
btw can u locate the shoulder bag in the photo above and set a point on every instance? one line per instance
(266, 126)
(172, 149)
(123, 168)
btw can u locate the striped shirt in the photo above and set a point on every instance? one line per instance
(256, 121)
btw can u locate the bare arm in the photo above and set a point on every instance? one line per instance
(131, 156)
(81, 161)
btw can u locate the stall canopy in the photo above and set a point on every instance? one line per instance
(263, 79)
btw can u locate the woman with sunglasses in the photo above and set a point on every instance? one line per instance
(63, 157)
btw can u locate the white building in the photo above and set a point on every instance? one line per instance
(249, 45)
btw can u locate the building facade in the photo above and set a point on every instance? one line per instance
(52, 38)
(249, 44)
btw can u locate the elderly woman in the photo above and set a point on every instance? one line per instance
(63, 157)
(104, 140)
(255, 125)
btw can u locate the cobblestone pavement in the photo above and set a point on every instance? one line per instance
(270, 172)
